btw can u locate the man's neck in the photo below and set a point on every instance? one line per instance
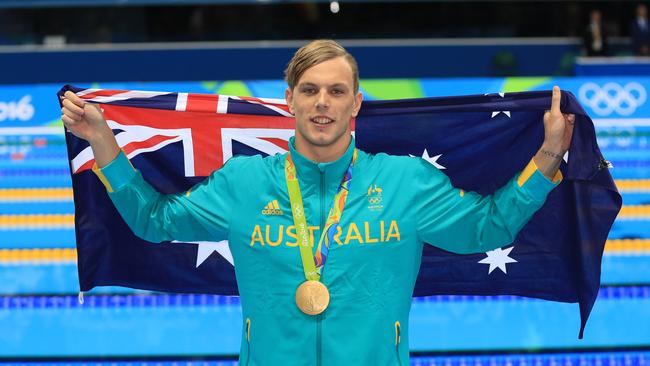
(323, 154)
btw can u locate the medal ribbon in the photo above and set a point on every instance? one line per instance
(313, 263)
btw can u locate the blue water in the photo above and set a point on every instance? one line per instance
(31, 208)
(213, 328)
(54, 238)
(620, 358)
(636, 198)
(49, 179)
(630, 229)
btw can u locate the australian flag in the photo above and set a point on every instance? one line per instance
(480, 142)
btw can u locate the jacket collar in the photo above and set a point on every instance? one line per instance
(311, 171)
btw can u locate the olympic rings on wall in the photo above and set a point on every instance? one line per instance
(612, 97)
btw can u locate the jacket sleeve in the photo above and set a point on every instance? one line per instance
(466, 222)
(201, 213)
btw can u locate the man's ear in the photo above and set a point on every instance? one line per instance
(357, 104)
(288, 96)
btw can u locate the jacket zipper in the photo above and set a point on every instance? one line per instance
(398, 340)
(248, 340)
(318, 339)
(319, 317)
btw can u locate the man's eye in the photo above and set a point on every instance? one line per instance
(309, 90)
(337, 91)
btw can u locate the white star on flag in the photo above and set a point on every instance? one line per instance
(208, 247)
(498, 258)
(433, 160)
(496, 113)
(500, 94)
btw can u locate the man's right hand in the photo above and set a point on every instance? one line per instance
(86, 121)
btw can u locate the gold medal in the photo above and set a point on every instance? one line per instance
(312, 297)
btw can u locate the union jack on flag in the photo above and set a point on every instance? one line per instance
(206, 130)
(177, 139)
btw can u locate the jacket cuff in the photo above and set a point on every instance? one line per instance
(536, 183)
(116, 174)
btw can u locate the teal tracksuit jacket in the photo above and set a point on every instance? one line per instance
(395, 205)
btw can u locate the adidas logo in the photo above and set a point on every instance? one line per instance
(272, 208)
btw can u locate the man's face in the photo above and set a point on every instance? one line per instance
(323, 102)
(595, 16)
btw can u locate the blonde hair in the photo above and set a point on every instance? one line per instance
(314, 53)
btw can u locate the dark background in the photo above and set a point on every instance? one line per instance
(119, 23)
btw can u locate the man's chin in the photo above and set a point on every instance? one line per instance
(321, 139)
(321, 142)
(326, 140)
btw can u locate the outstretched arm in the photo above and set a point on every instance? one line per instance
(466, 222)
(199, 214)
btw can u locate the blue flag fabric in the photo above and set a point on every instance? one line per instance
(480, 142)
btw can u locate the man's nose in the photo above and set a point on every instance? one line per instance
(322, 101)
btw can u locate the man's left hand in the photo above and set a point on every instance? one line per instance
(558, 126)
(558, 130)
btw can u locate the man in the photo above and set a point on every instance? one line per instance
(319, 288)
(640, 31)
(595, 40)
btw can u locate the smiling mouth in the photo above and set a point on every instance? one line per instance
(321, 120)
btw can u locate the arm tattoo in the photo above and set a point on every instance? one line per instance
(551, 154)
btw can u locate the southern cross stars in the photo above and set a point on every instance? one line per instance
(208, 247)
(496, 113)
(205, 248)
(498, 258)
(433, 160)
